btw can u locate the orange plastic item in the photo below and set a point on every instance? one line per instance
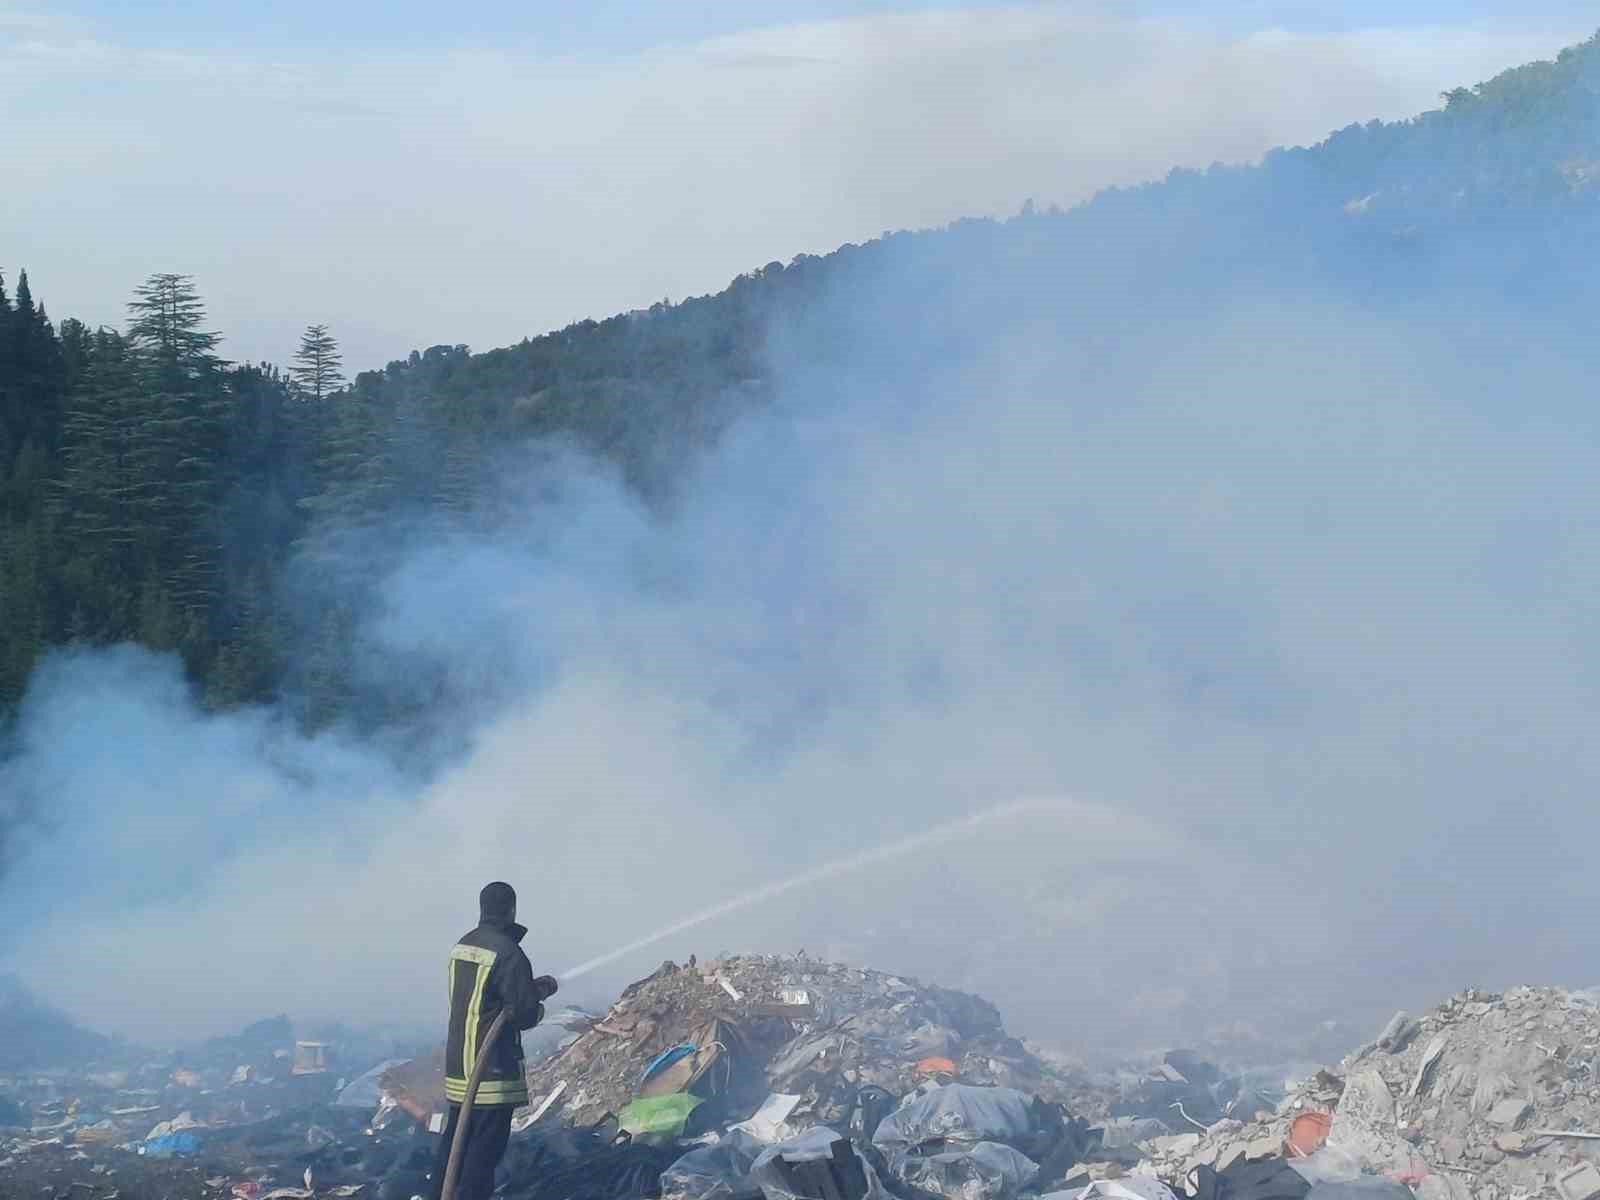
(936, 1066)
(1307, 1132)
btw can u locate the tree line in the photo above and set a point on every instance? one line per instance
(125, 459)
(152, 492)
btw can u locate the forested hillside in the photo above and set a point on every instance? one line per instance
(151, 491)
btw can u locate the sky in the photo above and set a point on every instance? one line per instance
(420, 174)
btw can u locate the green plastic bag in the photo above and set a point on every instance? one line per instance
(659, 1118)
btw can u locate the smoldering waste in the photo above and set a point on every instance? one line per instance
(789, 1078)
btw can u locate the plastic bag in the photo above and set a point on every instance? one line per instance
(986, 1171)
(1371, 1187)
(658, 1117)
(171, 1145)
(366, 1091)
(788, 1170)
(718, 1172)
(1129, 1187)
(957, 1113)
(1331, 1163)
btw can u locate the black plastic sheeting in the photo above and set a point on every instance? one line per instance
(582, 1164)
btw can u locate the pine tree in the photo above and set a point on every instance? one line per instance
(316, 364)
(109, 534)
(8, 374)
(179, 440)
(32, 383)
(315, 377)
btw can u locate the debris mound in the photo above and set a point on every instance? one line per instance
(735, 1030)
(1487, 1097)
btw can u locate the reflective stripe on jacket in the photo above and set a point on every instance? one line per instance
(487, 972)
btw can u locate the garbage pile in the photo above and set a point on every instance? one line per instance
(791, 1078)
(256, 1114)
(767, 1078)
(1488, 1097)
(734, 1031)
(1185, 1091)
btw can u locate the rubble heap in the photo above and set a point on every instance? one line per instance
(767, 1078)
(797, 1026)
(1493, 1097)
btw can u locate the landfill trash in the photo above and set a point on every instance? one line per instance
(1271, 1179)
(845, 1084)
(1486, 1097)
(169, 1145)
(417, 1088)
(310, 1058)
(592, 1163)
(717, 1172)
(933, 1142)
(318, 1138)
(104, 1131)
(872, 1105)
(184, 1120)
(544, 1105)
(1397, 1034)
(1579, 1183)
(856, 1028)
(770, 1124)
(1368, 1188)
(1307, 1134)
(658, 1117)
(1128, 1187)
(982, 1171)
(366, 1090)
(819, 1164)
(1185, 1092)
(957, 1113)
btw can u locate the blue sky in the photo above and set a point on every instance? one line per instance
(612, 26)
(332, 162)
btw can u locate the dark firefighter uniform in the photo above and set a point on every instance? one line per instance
(488, 971)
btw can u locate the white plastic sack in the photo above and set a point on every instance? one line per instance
(364, 1091)
(770, 1124)
(986, 1171)
(957, 1113)
(1129, 1187)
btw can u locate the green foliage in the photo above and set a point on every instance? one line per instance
(316, 364)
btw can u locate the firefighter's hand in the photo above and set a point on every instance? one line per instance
(547, 986)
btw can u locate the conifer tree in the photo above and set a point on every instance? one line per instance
(316, 364)
(179, 438)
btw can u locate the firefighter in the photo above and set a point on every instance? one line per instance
(488, 971)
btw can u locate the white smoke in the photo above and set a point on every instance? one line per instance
(1290, 600)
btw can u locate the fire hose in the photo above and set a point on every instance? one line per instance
(458, 1143)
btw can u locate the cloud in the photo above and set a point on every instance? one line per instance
(482, 195)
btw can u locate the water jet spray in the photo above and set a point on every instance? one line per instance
(840, 866)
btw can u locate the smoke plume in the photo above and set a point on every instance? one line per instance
(1279, 577)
